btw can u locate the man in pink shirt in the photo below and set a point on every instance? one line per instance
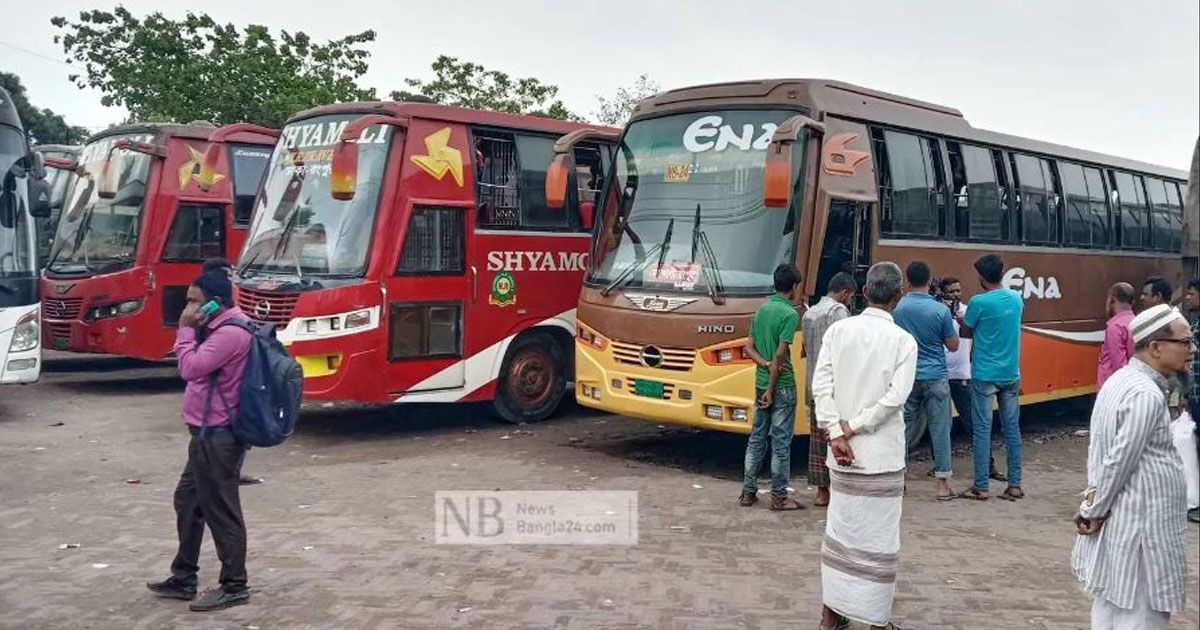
(212, 352)
(1118, 342)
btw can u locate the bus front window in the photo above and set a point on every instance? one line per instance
(16, 234)
(299, 228)
(96, 234)
(685, 212)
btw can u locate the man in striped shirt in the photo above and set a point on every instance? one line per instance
(833, 307)
(1131, 550)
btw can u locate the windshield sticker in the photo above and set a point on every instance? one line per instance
(195, 169)
(504, 290)
(682, 275)
(709, 133)
(440, 157)
(677, 173)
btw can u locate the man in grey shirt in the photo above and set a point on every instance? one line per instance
(834, 306)
(1131, 553)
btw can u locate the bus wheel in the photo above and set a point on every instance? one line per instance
(532, 381)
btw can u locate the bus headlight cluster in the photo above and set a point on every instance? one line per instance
(112, 310)
(26, 334)
(591, 337)
(717, 412)
(590, 391)
(335, 324)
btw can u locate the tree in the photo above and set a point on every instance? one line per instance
(616, 111)
(42, 125)
(469, 84)
(196, 69)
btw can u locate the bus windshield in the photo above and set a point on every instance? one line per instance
(299, 228)
(95, 234)
(17, 251)
(686, 208)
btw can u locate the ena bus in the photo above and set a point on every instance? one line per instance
(716, 185)
(149, 203)
(59, 181)
(24, 196)
(407, 254)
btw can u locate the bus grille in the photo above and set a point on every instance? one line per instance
(58, 330)
(61, 308)
(678, 359)
(668, 388)
(267, 308)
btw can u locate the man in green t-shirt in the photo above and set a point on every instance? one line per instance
(772, 330)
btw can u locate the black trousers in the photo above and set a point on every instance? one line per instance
(207, 494)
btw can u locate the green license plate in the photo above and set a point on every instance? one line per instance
(60, 344)
(649, 389)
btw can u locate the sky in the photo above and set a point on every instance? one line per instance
(1112, 76)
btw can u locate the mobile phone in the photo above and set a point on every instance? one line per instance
(207, 310)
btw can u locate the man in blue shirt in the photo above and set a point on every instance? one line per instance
(993, 322)
(932, 326)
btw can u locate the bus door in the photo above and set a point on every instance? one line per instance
(846, 246)
(196, 233)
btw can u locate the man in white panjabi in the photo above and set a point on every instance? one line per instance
(1131, 551)
(863, 377)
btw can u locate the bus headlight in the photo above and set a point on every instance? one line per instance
(105, 311)
(590, 337)
(26, 334)
(358, 319)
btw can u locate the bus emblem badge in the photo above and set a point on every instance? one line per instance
(652, 356)
(504, 290)
(262, 310)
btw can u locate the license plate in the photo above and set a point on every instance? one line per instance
(649, 389)
(60, 344)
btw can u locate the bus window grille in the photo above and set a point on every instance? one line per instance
(496, 189)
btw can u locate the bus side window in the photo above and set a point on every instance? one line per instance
(197, 233)
(496, 188)
(534, 154)
(1134, 215)
(1037, 199)
(910, 184)
(434, 243)
(1166, 215)
(589, 183)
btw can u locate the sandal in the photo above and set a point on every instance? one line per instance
(784, 504)
(818, 502)
(748, 499)
(1012, 493)
(947, 497)
(997, 475)
(973, 493)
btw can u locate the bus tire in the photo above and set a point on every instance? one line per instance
(532, 380)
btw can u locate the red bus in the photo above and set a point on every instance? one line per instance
(149, 203)
(406, 253)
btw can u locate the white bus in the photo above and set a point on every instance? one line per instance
(24, 195)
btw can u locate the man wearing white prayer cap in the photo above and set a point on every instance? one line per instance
(1131, 551)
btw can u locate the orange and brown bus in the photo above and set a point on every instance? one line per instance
(715, 185)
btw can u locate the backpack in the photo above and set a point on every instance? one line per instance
(272, 384)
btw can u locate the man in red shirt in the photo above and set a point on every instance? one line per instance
(212, 357)
(1118, 342)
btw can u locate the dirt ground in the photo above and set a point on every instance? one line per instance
(341, 532)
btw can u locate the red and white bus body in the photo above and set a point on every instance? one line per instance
(117, 275)
(444, 278)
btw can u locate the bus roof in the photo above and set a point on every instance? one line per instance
(199, 130)
(823, 97)
(448, 113)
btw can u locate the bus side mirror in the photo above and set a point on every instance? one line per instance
(39, 198)
(343, 164)
(37, 166)
(557, 176)
(777, 176)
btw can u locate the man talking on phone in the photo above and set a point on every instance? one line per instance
(212, 356)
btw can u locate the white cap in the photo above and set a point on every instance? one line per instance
(1152, 320)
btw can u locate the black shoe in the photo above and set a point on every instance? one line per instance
(1194, 515)
(172, 588)
(219, 598)
(247, 480)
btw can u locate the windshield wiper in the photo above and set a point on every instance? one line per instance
(662, 253)
(246, 267)
(85, 224)
(286, 238)
(709, 266)
(621, 279)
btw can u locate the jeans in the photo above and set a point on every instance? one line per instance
(933, 398)
(779, 420)
(207, 494)
(960, 393)
(1006, 395)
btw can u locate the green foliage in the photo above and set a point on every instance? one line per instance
(196, 69)
(468, 84)
(42, 126)
(616, 110)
